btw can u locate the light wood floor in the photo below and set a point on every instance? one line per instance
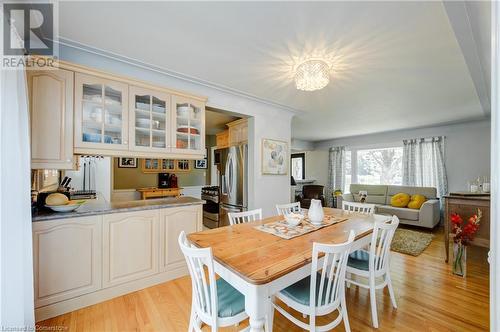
(429, 298)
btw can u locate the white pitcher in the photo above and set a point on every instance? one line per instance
(316, 213)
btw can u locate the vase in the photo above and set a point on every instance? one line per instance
(459, 259)
(315, 212)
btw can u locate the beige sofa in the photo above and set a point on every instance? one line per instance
(380, 195)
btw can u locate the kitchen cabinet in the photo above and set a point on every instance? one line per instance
(188, 118)
(66, 258)
(238, 132)
(51, 118)
(101, 114)
(130, 247)
(149, 165)
(172, 222)
(79, 261)
(222, 139)
(150, 120)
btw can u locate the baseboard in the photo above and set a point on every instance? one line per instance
(59, 308)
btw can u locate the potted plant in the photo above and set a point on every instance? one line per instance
(463, 234)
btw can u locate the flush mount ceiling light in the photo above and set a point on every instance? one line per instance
(312, 74)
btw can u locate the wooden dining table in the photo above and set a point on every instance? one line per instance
(260, 264)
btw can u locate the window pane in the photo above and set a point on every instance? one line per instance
(297, 168)
(348, 171)
(380, 166)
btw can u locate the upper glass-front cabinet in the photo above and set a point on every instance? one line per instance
(149, 120)
(189, 123)
(101, 113)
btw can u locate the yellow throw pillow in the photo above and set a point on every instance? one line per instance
(416, 201)
(400, 200)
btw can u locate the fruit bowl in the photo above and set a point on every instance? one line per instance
(294, 219)
(70, 206)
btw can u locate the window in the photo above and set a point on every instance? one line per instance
(374, 166)
(298, 163)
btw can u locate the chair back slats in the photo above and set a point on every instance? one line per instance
(284, 209)
(244, 217)
(204, 285)
(332, 276)
(382, 236)
(358, 207)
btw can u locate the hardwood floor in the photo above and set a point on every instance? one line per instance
(429, 298)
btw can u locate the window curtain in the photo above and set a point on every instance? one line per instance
(424, 163)
(336, 172)
(16, 282)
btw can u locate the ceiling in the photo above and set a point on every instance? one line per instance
(215, 121)
(396, 65)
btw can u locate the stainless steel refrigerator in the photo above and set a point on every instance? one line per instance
(232, 163)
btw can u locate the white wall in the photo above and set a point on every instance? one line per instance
(467, 148)
(268, 121)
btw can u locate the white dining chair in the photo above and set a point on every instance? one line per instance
(374, 263)
(214, 302)
(358, 207)
(321, 293)
(284, 209)
(243, 217)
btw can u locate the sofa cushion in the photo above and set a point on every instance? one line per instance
(428, 192)
(402, 213)
(416, 202)
(376, 193)
(400, 200)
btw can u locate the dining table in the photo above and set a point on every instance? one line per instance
(260, 264)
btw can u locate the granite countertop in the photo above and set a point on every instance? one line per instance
(101, 206)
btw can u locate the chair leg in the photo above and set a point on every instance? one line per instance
(312, 323)
(270, 315)
(373, 301)
(343, 312)
(192, 320)
(391, 290)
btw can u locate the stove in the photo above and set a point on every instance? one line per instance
(211, 207)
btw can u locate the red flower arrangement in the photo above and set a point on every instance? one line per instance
(464, 232)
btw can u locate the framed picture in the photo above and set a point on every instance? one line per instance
(274, 157)
(202, 163)
(182, 165)
(127, 162)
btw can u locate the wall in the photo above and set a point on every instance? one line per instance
(133, 178)
(467, 148)
(210, 141)
(267, 120)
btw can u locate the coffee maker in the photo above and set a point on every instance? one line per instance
(163, 180)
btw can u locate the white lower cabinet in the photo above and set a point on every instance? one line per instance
(130, 246)
(67, 258)
(172, 222)
(85, 260)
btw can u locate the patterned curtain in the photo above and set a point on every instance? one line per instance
(336, 172)
(424, 165)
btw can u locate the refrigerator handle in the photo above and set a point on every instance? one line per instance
(230, 164)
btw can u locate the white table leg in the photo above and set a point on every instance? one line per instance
(256, 307)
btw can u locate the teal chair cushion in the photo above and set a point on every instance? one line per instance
(299, 291)
(230, 301)
(359, 260)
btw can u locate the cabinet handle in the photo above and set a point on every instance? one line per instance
(68, 160)
(125, 142)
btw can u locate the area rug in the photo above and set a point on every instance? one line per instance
(410, 242)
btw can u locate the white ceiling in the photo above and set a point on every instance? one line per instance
(396, 64)
(215, 121)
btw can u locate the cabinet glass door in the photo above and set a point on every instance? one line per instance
(189, 125)
(101, 113)
(149, 120)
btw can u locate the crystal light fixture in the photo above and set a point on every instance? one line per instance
(313, 74)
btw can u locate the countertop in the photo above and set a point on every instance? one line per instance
(101, 206)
